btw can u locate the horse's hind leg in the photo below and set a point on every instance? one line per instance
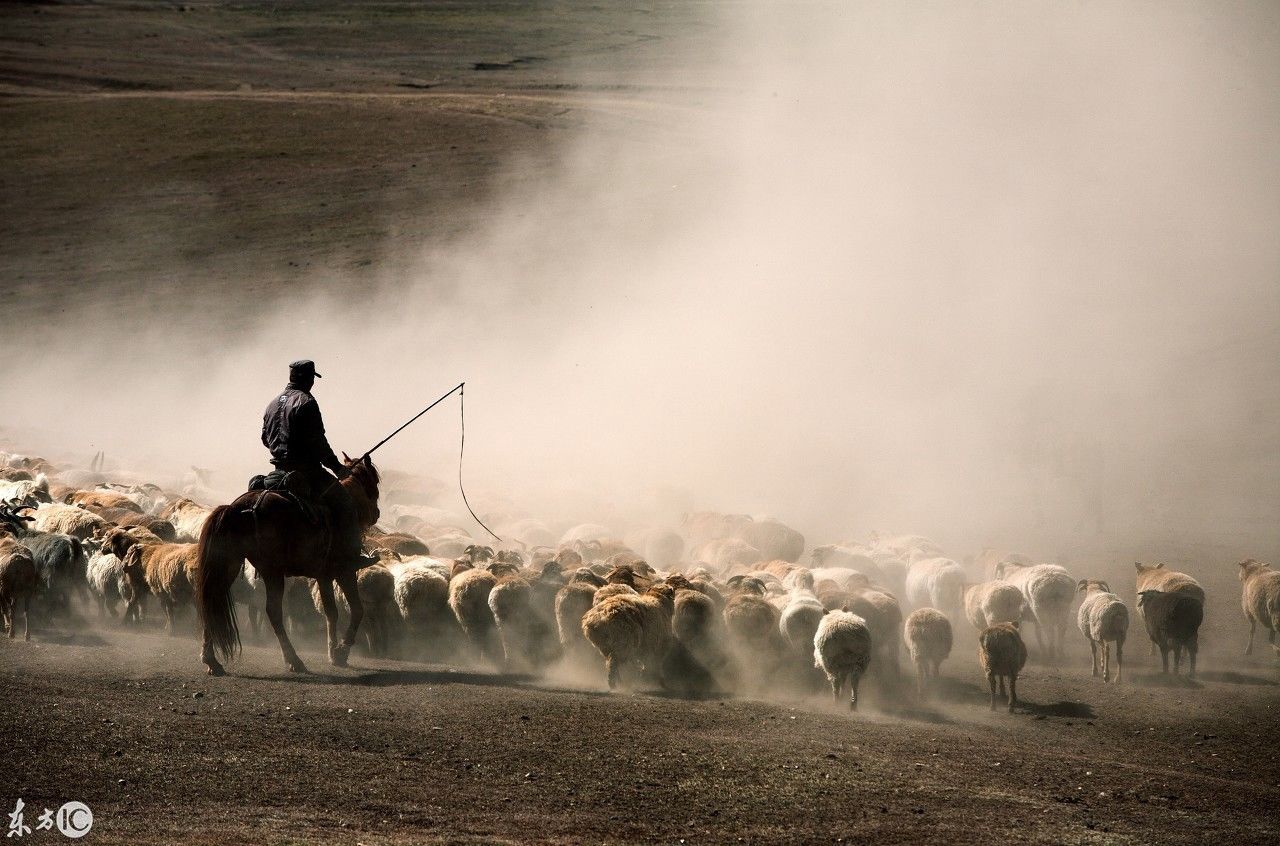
(325, 587)
(275, 596)
(350, 589)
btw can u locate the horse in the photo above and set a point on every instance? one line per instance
(279, 540)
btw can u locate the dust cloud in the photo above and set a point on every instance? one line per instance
(996, 273)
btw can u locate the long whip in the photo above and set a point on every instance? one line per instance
(460, 388)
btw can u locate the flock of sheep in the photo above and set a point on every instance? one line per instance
(721, 604)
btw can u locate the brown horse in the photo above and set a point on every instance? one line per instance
(269, 530)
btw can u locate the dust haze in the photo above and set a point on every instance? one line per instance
(1000, 274)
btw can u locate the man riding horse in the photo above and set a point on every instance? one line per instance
(281, 539)
(293, 432)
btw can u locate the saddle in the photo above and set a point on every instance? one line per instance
(294, 486)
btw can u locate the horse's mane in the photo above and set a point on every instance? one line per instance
(365, 475)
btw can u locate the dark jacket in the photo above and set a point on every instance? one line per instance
(294, 433)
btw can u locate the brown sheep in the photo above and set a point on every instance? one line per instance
(1003, 655)
(94, 500)
(1260, 598)
(572, 603)
(753, 625)
(631, 628)
(17, 586)
(401, 543)
(166, 570)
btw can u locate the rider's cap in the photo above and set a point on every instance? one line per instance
(304, 367)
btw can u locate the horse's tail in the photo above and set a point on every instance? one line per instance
(221, 559)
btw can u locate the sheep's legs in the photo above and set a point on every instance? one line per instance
(991, 680)
(853, 695)
(171, 616)
(921, 672)
(275, 597)
(615, 671)
(1192, 648)
(1119, 661)
(1164, 656)
(1093, 648)
(1013, 692)
(1106, 661)
(1248, 650)
(26, 617)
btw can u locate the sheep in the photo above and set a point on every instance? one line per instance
(1172, 606)
(94, 500)
(1260, 598)
(1102, 619)
(834, 558)
(187, 518)
(992, 602)
(936, 583)
(799, 618)
(422, 595)
(626, 629)
(698, 628)
(167, 570)
(774, 539)
(105, 575)
(18, 581)
(725, 555)
(26, 490)
(572, 603)
(59, 560)
(753, 626)
(1003, 655)
(928, 635)
(612, 589)
(70, 520)
(398, 542)
(162, 529)
(1048, 591)
(988, 561)
(523, 622)
(469, 600)
(842, 651)
(883, 617)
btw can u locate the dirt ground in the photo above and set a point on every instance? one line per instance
(156, 157)
(396, 752)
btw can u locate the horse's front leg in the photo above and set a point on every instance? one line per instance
(347, 580)
(275, 598)
(325, 586)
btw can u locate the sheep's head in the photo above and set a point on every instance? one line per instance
(134, 574)
(622, 574)
(460, 565)
(119, 542)
(1143, 568)
(820, 554)
(569, 559)
(503, 568)
(1088, 585)
(1251, 566)
(678, 581)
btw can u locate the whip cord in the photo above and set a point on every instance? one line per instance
(462, 448)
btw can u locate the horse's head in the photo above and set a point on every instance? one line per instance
(362, 484)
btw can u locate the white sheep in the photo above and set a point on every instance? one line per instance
(187, 518)
(106, 577)
(59, 518)
(1103, 619)
(1048, 591)
(992, 602)
(1260, 598)
(801, 614)
(928, 635)
(842, 650)
(936, 583)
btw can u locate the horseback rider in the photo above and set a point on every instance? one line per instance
(293, 431)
